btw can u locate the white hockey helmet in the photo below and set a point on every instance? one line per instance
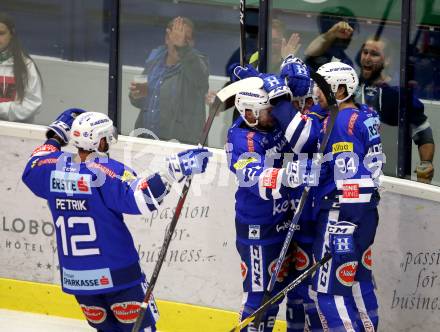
(88, 129)
(254, 100)
(337, 73)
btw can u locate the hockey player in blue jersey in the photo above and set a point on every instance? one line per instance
(87, 193)
(346, 202)
(267, 192)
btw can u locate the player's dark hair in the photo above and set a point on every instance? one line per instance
(19, 56)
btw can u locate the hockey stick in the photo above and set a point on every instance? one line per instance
(222, 95)
(274, 299)
(333, 108)
(242, 32)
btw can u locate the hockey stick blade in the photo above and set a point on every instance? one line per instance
(272, 300)
(333, 108)
(233, 88)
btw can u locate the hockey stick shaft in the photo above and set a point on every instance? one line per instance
(221, 96)
(242, 32)
(168, 235)
(292, 226)
(274, 299)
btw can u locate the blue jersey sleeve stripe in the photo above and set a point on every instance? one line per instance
(303, 137)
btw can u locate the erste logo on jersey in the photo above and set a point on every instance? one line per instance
(346, 273)
(70, 183)
(126, 312)
(87, 279)
(95, 315)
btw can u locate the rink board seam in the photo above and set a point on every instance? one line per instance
(48, 299)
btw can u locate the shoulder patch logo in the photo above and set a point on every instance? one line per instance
(128, 176)
(373, 126)
(242, 163)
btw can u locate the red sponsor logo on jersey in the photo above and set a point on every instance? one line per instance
(346, 272)
(250, 141)
(284, 270)
(367, 261)
(44, 149)
(47, 161)
(94, 314)
(82, 185)
(76, 133)
(143, 185)
(302, 260)
(126, 312)
(350, 190)
(270, 178)
(104, 280)
(351, 123)
(102, 168)
(244, 270)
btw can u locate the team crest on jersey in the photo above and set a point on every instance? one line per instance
(70, 183)
(244, 270)
(126, 312)
(346, 273)
(254, 232)
(302, 260)
(95, 315)
(367, 260)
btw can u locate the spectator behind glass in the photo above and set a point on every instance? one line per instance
(280, 46)
(20, 79)
(376, 91)
(336, 26)
(172, 103)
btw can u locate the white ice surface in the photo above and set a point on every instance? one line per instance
(18, 321)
